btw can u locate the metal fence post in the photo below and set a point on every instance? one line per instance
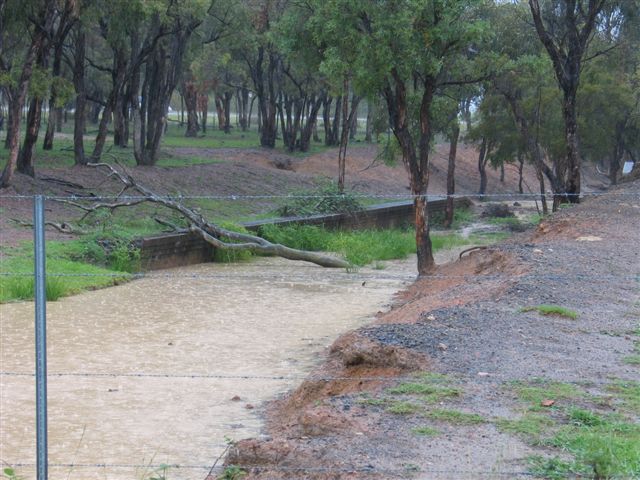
(41, 338)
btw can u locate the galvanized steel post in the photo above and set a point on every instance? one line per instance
(41, 338)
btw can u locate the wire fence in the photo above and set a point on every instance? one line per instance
(287, 276)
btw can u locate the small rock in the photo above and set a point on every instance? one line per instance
(442, 346)
(431, 317)
(537, 250)
(483, 374)
(548, 403)
(248, 406)
(517, 204)
(235, 398)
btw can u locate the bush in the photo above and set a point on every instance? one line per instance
(325, 199)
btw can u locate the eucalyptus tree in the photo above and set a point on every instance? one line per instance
(566, 28)
(37, 18)
(402, 49)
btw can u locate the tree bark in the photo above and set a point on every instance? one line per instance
(190, 95)
(451, 170)
(81, 97)
(25, 158)
(416, 161)
(482, 167)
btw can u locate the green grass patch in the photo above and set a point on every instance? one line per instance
(455, 416)
(532, 426)
(552, 310)
(538, 390)
(600, 445)
(629, 394)
(632, 359)
(607, 449)
(96, 260)
(358, 247)
(425, 431)
(403, 407)
(552, 468)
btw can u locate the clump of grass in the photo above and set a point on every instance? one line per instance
(403, 408)
(553, 468)
(425, 431)
(327, 198)
(430, 393)
(455, 417)
(632, 359)
(538, 390)
(531, 426)
(608, 449)
(629, 393)
(23, 288)
(552, 310)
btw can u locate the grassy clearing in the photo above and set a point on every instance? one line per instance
(399, 407)
(556, 310)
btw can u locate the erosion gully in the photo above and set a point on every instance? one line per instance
(191, 333)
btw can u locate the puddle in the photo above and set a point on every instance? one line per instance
(268, 318)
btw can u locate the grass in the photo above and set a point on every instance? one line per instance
(536, 391)
(455, 416)
(552, 310)
(595, 444)
(532, 426)
(358, 247)
(399, 407)
(96, 260)
(425, 431)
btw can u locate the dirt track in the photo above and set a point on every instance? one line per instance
(470, 327)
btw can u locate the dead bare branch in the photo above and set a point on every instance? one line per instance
(210, 232)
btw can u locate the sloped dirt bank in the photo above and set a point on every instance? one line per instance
(468, 325)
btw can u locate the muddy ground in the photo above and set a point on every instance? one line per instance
(466, 322)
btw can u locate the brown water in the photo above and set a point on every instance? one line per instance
(266, 318)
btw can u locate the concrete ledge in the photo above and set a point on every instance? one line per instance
(184, 248)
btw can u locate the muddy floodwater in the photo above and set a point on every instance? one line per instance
(174, 349)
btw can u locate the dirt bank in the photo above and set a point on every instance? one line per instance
(467, 324)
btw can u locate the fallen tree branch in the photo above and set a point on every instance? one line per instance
(63, 227)
(210, 232)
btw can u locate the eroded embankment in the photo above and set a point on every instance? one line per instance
(466, 322)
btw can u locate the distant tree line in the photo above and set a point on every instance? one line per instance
(546, 83)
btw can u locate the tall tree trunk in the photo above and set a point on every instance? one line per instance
(64, 26)
(482, 167)
(520, 169)
(43, 26)
(415, 161)
(25, 158)
(451, 170)
(226, 104)
(310, 125)
(220, 111)
(369, 128)
(81, 97)
(190, 95)
(326, 119)
(203, 106)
